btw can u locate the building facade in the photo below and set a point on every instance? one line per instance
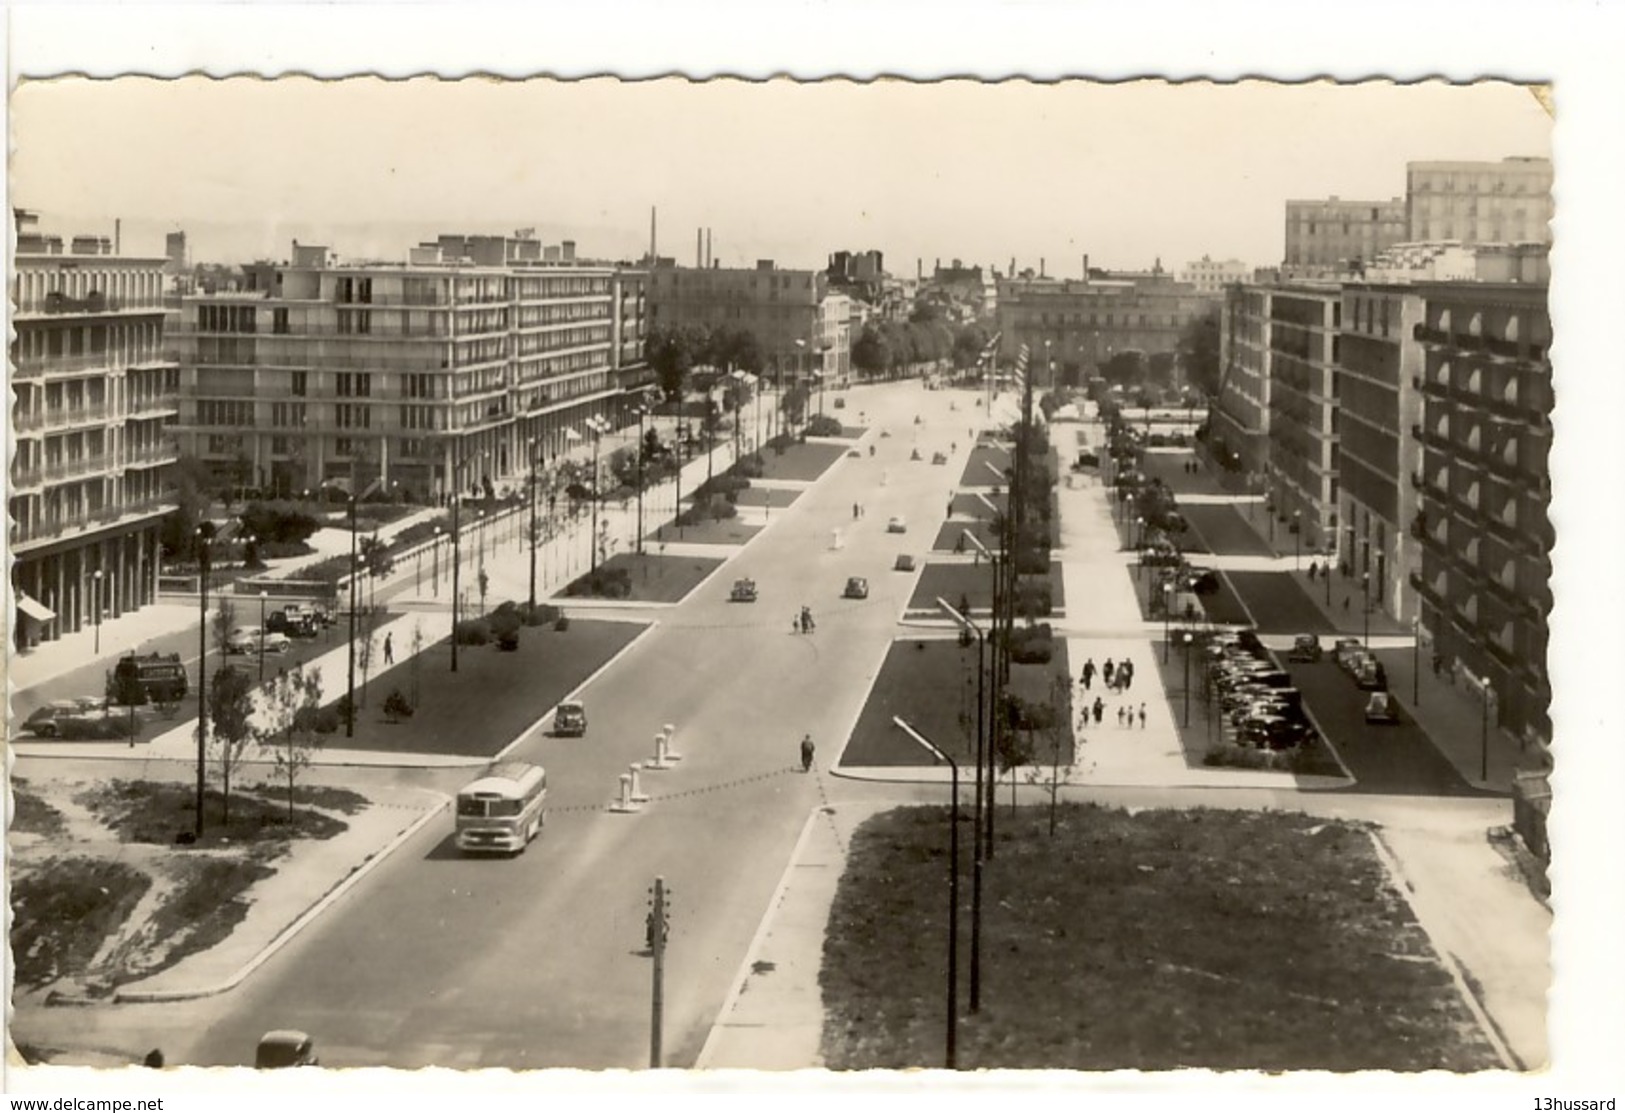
(1301, 469)
(781, 307)
(1485, 486)
(1480, 202)
(1209, 277)
(1241, 413)
(423, 378)
(94, 391)
(1333, 234)
(1379, 404)
(1085, 323)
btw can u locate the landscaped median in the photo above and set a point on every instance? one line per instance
(1140, 940)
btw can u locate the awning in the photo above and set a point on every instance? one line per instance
(34, 609)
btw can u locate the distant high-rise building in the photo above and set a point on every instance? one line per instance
(95, 396)
(1479, 202)
(175, 252)
(1324, 238)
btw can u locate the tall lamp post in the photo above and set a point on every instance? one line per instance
(355, 574)
(642, 410)
(801, 371)
(97, 576)
(1365, 606)
(597, 426)
(988, 782)
(1297, 540)
(1416, 661)
(205, 535)
(1185, 638)
(951, 1055)
(531, 494)
(456, 568)
(967, 623)
(1484, 732)
(262, 635)
(437, 562)
(1167, 614)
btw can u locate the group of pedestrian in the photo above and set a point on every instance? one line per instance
(1116, 676)
(857, 511)
(1125, 716)
(1097, 711)
(803, 622)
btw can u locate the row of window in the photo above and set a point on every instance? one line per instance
(33, 286)
(125, 341)
(225, 318)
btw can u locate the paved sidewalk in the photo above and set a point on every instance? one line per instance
(119, 636)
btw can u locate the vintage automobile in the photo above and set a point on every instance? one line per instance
(939, 457)
(248, 639)
(903, 563)
(43, 722)
(285, 1048)
(856, 588)
(1306, 648)
(1379, 708)
(294, 623)
(570, 720)
(744, 591)
(897, 524)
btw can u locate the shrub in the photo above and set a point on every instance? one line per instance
(562, 623)
(822, 425)
(279, 521)
(505, 626)
(327, 720)
(1032, 645)
(751, 467)
(605, 583)
(93, 728)
(473, 631)
(540, 615)
(1033, 596)
(397, 706)
(1031, 560)
(272, 550)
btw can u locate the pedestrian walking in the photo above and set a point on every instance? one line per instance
(1142, 716)
(1120, 711)
(1100, 710)
(389, 649)
(1088, 673)
(1438, 663)
(806, 753)
(1106, 672)
(1345, 604)
(854, 512)
(1314, 567)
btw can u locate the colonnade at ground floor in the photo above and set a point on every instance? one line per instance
(58, 591)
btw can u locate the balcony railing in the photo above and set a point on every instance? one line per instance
(29, 367)
(52, 526)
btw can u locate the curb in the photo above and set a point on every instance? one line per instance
(287, 934)
(736, 988)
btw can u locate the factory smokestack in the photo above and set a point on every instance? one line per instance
(654, 249)
(708, 257)
(699, 247)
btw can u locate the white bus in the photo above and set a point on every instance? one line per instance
(502, 810)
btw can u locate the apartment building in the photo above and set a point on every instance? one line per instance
(94, 398)
(1301, 468)
(1485, 490)
(1333, 235)
(459, 366)
(1479, 202)
(1084, 323)
(785, 309)
(1241, 413)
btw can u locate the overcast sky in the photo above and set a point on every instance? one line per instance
(1127, 173)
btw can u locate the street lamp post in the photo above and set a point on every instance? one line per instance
(205, 534)
(1297, 540)
(988, 782)
(1365, 606)
(1167, 614)
(97, 576)
(1186, 640)
(532, 500)
(966, 623)
(597, 426)
(355, 572)
(437, 562)
(456, 568)
(1416, 661)
(262, 635)
(1484, 733)
(950, 1056)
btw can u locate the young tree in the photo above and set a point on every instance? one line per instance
(287, 728)
(363, 650)
(417, 659)
(225, 621)
(1055, 725)
(230, 706)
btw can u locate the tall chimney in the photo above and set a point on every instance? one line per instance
(1040, 266)
(1086, 267)
(699, 247)
(708, 257)
(118, 228)
(919, 269)
(1012, 266)
(654, 250)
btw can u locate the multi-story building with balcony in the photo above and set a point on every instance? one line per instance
(1333, 236)
(94, 394)
(1084, 323)
(1483, 526)
(1479, 202)
(1301, 469)
(464, 364)
(1378, 405)
(1241, 413)
(781, 307)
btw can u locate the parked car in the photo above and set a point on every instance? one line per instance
(1344, 649)
(570, 719)
(1380, 708)
(744, 591)
(1371, 676)
(856, 588)
(939, 457)
(1306, 648)
(43, 722)
(285, 1048)
(247, 639)
(897, 524)
(904, 563)
(1275, 732)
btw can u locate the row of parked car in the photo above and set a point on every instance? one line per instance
(296, 620)
(1261, 708)
(1363, 668)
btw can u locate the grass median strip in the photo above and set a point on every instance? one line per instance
(1149, 940)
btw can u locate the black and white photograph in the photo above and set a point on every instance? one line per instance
(1165, 476)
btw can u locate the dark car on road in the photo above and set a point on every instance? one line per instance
(293, 623)
(1305, 648)
(1380, 708)
(856, 588)
(1344, 651)
(1370, 676)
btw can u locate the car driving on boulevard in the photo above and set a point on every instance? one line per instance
(246, 639)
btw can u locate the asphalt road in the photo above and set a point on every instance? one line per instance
(535, 961)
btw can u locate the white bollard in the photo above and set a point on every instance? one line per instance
(638, 796)
(659, 761)
(625, 803)
(670, 731)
